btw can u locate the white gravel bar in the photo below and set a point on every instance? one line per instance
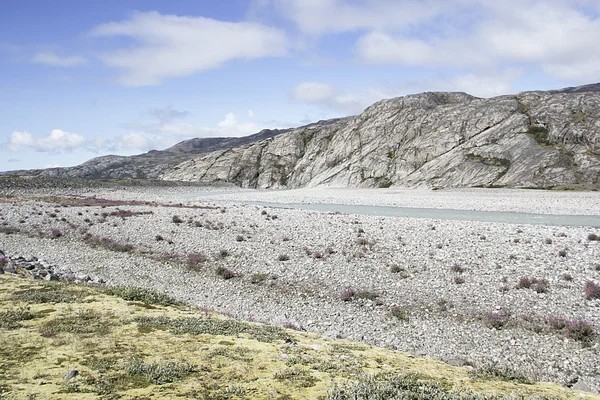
(452, 277)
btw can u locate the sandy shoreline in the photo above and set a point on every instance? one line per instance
(451, 276)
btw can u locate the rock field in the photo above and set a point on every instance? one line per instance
(469, 293)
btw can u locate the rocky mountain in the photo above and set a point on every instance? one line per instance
(532, 139)
(151, 164)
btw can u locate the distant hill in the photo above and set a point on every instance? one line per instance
(437, 139)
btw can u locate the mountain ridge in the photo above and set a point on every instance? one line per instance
(537, 139)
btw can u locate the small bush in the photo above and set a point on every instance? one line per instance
(56, 233)
(496, 320)
(457, 268)
(459, 280)
(348, 294)
(579, 330)
(194, 260)
(399, 313)
(225, 273)
(289, 325)
(176, 219)
(592, 237)
(159, 374)
(223, 253)
(396, 269)
(159, 238)
(539, 285)
(548, 241)
(500, 373)
(567, 277)
(367, 295)
(318, 255)
(591, 290)
(258, 278)
(12, 319)
(283, 257)
(146, 296)
(562, 253)
(239, 238)
(556, 322)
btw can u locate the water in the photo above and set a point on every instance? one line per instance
(431, 213)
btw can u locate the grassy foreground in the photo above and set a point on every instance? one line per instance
(129, 343)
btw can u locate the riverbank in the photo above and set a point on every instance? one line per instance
(464, 292)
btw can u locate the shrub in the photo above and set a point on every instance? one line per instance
(56, 233)
(225, 273)
(457, 268)
(318, 255)
(592, 237)
(146, 296)
(459, 280)
(11, 319)
(399, 313)
(496, 320)
(396, 269)
(283, 257)
(348, 294)
(176, 219)
(258, 278)
(289, 325)
(367, 295)
(224, 253)
(591, 290)
(500, 373)
(567, 277)
(159, 238)
(562, 234)
(159, 374)
(579, 330)
(195, 259)
(562, 253)
(239, 238)
(556, 322)
(548, 241)
(539, 285)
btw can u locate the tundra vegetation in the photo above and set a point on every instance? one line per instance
(132, 343)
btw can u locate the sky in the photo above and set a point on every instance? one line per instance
(82, 79)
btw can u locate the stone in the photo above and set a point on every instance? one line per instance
(533, 139)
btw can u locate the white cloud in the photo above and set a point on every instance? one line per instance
(59, 61)
(477, 84)
(168, 46)
(324, 94)
(167, 114)
(555, 36)
(57, 141)
(230, 126)
(317, 17)
(134, 141)
(313, 92)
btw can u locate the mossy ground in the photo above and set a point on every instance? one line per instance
(137, 350)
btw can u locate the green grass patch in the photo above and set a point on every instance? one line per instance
(213, 326)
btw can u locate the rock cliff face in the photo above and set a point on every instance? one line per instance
(533, 139)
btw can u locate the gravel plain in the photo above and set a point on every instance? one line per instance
(445, 289)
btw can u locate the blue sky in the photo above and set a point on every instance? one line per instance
(80, 79)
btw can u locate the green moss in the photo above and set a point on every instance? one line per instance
(12, 319)
(213, 326)
(143, 295)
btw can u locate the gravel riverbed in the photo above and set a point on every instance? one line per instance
(452, 285)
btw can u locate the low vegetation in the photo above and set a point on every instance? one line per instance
(133, 343)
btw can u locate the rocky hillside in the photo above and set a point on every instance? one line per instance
(533, 139)
(151, 164)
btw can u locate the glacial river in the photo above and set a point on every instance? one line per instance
(432, 213)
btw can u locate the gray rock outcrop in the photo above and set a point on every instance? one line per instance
(533, 139)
